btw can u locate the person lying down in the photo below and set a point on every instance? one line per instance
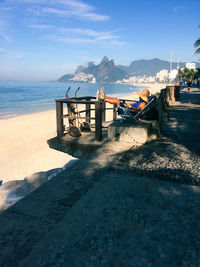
(135, 106)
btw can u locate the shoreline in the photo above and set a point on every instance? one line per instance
(153, 88)
(24, 148)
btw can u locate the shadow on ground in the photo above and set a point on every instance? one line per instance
(130, 208)
(30, 220)
(184, 124)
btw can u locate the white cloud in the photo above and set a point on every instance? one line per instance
(81, 35)
(3, 33)
(88, 32)
(41, 10)
(72, 13)
(40, 26)
(81, 40)
(5, 36)
(64, 8)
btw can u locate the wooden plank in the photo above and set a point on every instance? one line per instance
(114, 114)
(98, 121)
(75, 101)
(74, 117)
(59, 119)
(103, 111)
(88, 112)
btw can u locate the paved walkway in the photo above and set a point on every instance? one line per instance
(120, 206)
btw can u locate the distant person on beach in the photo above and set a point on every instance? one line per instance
(189, 84)
(135, 106)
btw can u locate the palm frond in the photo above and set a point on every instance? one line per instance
(197, 51)
(197, 43)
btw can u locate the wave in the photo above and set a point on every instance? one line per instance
(9, 116)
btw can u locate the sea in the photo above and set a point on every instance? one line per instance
(18, 98)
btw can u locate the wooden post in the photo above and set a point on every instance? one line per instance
(114, 113)
(103, 105)
(88, 112)
(59, 118)
(177, 92)
(171, 94)
(167, 96)
(98, 121)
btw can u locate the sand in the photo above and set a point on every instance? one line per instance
(24, 148)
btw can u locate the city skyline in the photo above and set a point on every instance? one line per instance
(43, 40)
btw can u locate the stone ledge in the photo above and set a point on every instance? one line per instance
(136, 132)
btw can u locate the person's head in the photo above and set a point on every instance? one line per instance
(144, 95)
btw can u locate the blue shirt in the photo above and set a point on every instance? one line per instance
(135, 105)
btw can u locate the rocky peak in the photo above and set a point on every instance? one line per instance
(106, 65)
(104, 60)
(81, 68)
(105, 70)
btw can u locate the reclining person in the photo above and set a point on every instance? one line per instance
(134, 106)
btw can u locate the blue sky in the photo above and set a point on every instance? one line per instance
(45, 39)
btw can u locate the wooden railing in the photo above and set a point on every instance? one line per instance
(88, 101)
(166, 96)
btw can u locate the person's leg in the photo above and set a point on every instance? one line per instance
(111, 100)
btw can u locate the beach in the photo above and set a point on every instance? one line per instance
(24, 148)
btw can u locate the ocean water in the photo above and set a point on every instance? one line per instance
(17, 98)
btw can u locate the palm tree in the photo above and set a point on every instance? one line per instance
(187, 74)
(197, 44)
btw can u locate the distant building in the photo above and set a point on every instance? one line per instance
(190, 65)
(162, 75)
(173, 74)
(82, 77)
(93, 80)
(151, 79)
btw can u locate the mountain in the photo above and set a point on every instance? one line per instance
(82, 68)
(106, 71)
(148, 67)
(66, 77)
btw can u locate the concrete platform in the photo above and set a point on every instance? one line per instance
(77, 146)
(136, 132)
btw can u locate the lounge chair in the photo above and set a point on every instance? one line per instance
(126, 113)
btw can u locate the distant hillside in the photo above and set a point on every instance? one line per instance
(107, 71)
(65, 78)
(148, 67)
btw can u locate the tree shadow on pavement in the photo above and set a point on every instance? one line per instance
(184, 123)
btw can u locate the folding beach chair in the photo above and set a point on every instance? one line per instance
(126, 112)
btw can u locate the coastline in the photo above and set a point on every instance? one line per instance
(24, 148)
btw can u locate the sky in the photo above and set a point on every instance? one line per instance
(41, 40)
